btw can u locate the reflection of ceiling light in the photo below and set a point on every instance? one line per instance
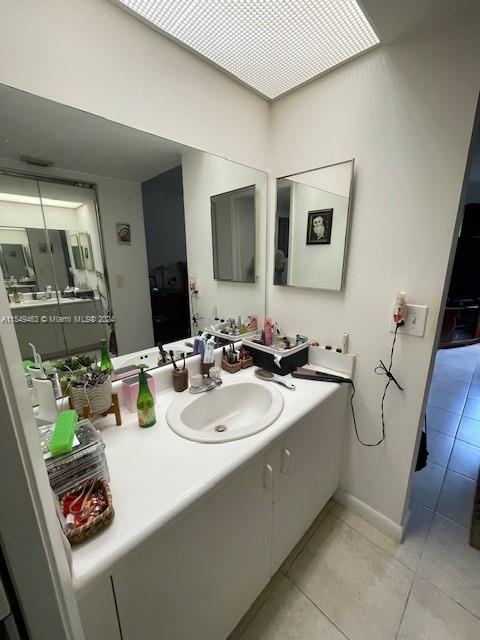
(270, 45)
(13, 197)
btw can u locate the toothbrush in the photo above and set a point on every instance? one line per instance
(182, 355)
(173, 360)
(162, 353)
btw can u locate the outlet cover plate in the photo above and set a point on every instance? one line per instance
(415, 321)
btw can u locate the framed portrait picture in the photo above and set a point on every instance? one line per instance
(124, 234)
(319, 226)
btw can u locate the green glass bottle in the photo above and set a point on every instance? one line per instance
(106, 365)
(145, 400)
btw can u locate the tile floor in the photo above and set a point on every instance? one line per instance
(347, 580)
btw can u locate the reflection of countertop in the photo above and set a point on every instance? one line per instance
(51, 302)
(167, 473)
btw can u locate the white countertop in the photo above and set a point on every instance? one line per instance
(156, 474)
(48, 302)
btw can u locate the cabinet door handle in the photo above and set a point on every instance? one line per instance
(285, 464)
(267, 476)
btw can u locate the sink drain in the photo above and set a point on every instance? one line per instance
(220, 428)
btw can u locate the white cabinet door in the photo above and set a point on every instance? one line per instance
(46, 336)
(195, 580)
(80, 334)
(96, 604)
(306, 473)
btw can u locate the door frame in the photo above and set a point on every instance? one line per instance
(31, 537)
(474, 140)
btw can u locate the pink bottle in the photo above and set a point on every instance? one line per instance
(253, 322)
(268, 331)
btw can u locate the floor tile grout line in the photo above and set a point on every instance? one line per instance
(441, 515)
(419, 576)
(374, 543)
(259, 609)
(462, 475)
(405, 606)
(307, 540)
(316, 606)
(435, 507)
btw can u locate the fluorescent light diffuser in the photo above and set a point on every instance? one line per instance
(270, 45)
(13, 197)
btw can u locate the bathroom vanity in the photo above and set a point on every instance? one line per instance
(49, 336)
(201, 528)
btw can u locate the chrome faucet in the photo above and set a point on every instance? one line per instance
(207, 385)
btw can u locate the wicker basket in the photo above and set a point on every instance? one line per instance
(231, 368)
(246, 362)
(87, 530)
(98, 398)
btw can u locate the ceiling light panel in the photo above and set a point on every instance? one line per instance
(21, 199)
(270, 45)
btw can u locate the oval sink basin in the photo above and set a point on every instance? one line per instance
(230, 412)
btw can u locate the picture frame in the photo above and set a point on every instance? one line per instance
(124, 233)
(319, 226)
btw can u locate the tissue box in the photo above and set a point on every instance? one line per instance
(279, 361)
(130, 391)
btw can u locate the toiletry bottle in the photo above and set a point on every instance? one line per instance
(208, 359)
(47, 405)
(145, 400)
(268, 332)
(106, 365)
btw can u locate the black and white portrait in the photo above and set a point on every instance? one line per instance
(319, 226)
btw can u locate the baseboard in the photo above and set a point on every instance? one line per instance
(377, 519)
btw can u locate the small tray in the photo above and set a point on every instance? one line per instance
(87, 530)
(231, 368)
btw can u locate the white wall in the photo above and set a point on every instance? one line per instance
(119, 201)
(92, 55)
(405, 113)
(205, 175)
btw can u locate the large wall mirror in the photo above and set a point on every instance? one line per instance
(311, 227)
(160, 240)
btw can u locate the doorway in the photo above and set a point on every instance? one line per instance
(448, 485)
(164, 217)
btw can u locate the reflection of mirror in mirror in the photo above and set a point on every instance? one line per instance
(45, 266)
(233, 235)
(311, 226)
(239, 242)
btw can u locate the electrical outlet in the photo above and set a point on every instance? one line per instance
(415, 321)
(193, 284)
(119, 281)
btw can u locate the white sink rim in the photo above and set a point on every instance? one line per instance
(186, 399)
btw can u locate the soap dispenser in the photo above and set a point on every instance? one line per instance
(268, 332)
(208, 359)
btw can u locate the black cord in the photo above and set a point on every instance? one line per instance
(380, 370)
